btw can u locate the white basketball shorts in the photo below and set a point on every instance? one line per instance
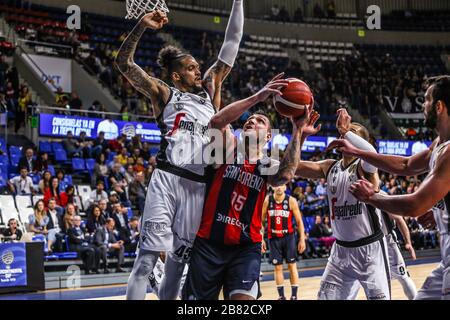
(172, 214)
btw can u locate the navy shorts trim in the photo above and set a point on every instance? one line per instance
(283, 248)
(214, 267)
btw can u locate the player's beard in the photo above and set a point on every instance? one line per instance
(431, 118)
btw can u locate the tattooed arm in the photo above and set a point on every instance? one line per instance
(291, 159)
(154, 89)
(213, 80)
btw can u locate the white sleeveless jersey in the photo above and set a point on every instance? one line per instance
(184, 124)
(351, 219)
(442, 208)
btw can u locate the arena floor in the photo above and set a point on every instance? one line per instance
(309, 284)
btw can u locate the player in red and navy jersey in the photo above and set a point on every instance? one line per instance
(227, 251)
(280, 209)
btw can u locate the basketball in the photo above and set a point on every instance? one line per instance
(296, 97)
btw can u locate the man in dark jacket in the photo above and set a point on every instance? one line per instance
(106, 241)
(77, 242)
(28, 161)
(137, 191)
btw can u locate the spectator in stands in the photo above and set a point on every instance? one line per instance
(139, 166)
(331, 9)
(116, 145)
(123, 156)
(94, 109)
(55, 234)
(42, 162)
(121, 193)
(75, 102)
(12, 234)
(109, 127)
(321, 192)
(125, 114)
(130, 235)
(68, 196)
(129, 173)
(101, 170)
(145, 152)
(59, 97)
(284, 15)
(68, 217)
(137, 191)
(298, 15)
(103, 205)
(106, 241)
(22, 184)
(120, 216)
(96, 220)
(79, 242)
(135, 143)
(85, 144)
(98, 194)
(23, 103)
(275, 13)
(63, 183)
(100, 145)
(312, 201)
(117, 177)
(28, 161)
(10, 96)
(53, 192)
(72, 146)
(44, 183)
(318, 12)
(136, 154)
(37, 222)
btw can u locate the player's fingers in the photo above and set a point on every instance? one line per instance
(318, 127)
(278, 76)
(275, 92)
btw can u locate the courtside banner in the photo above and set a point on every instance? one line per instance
(402, 148)
(54, 125)
(56, 71)
(13, 265)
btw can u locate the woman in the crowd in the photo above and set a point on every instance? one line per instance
(95, 220)
(68, 196)
(101, 170)
(44, 184)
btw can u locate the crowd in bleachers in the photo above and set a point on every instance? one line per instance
(41, 195)
(361, 80)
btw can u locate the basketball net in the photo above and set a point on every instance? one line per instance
(138, 8)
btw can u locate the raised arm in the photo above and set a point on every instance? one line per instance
(291, 159)
(215, 75)
(154, 89)
(309, 169)
(404, 166)
(434, 188)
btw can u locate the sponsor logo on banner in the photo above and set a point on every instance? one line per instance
(13, 270)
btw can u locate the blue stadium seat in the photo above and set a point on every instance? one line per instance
(68, 179)
(111, 156)
(57, 146)
(78, 165)
(90, 165)
(15, 150)
(3, 179)
(51, 169)
(15, 159)
(60, 155)
(3, 145)
(4, 160)
(45, 146)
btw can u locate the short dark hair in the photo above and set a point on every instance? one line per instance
(441, 89)
(134, 218)
(365, 134)
(265, 114)
(21, 168)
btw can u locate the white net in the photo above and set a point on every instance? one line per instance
(138, 8)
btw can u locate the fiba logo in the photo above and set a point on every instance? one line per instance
(129, 130)
(8, 258)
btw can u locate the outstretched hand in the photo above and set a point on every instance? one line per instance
(345, 147)
(308, 122)
(273, 87)
(343, 121)
(155, 20)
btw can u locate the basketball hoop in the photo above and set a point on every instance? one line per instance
(138, 8)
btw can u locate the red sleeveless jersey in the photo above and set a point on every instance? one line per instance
(280, 218)
(232, 212)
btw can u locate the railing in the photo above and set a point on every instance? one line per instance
(38, 44)
(87, 113)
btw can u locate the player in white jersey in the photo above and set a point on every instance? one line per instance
(433, 193)
(175, 194)
(397, 264)
(359, 256)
